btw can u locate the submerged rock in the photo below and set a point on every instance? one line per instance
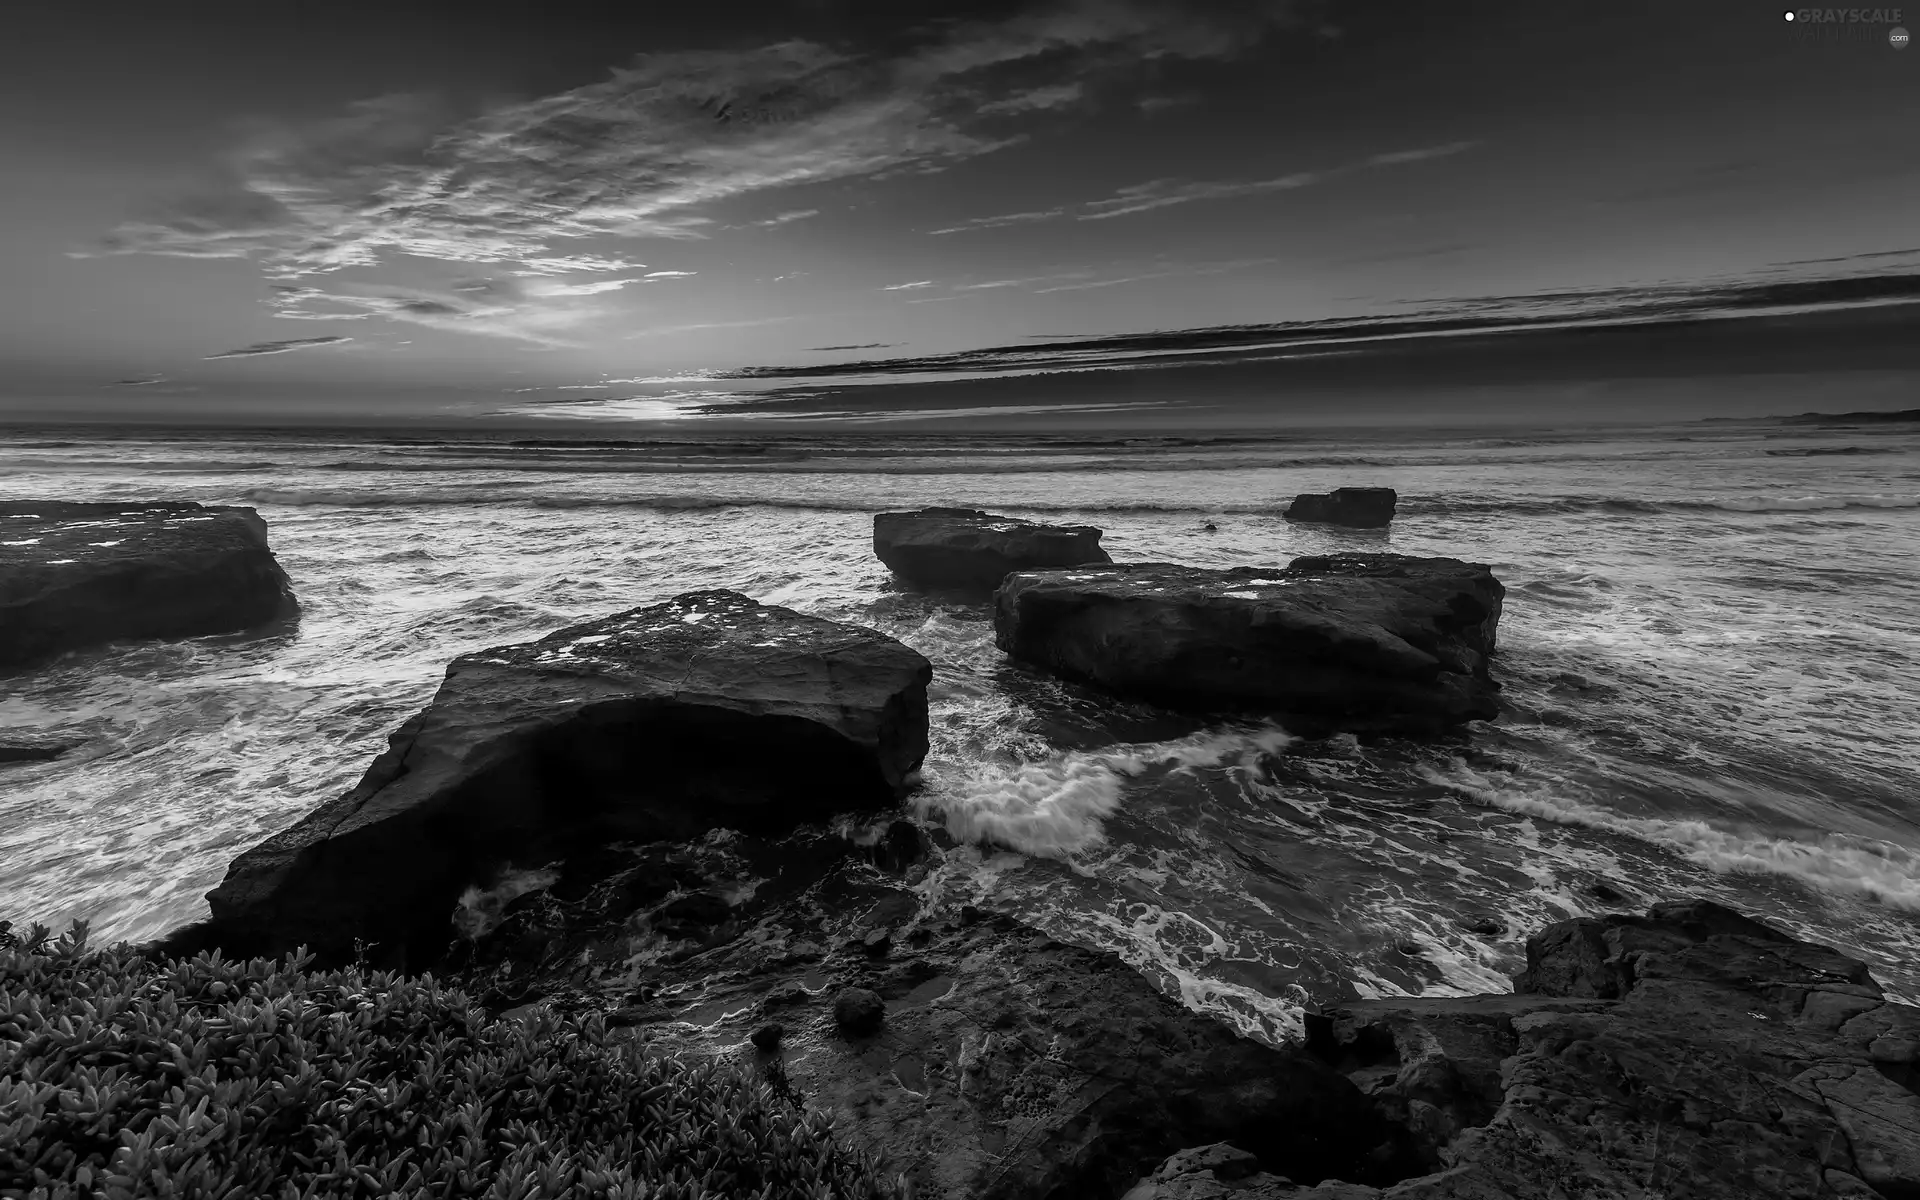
(17, 749)
(1690, 1052)
(966, 548)
(1358, 642)
(662, 723)
(1358, 507)
(79, 575)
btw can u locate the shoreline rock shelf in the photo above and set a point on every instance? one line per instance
(657, 724)
(1369, 643)
(1691, 1052)
(1355, 507)
(967, 549)
(74, 576)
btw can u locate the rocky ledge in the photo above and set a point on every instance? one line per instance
(709, 711)
(1692, 1052)
(966, 549)
(1358, 507)
(79, 575)
(1370, 643)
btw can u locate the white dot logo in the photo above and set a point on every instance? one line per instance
(1789, 14)
(1897, 39)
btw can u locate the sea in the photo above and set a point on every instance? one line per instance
(1710, 663)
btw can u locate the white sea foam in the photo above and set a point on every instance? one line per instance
(1877, 871)
(1056, 807)
(480, 909)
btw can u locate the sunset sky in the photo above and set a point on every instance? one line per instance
(472, 208)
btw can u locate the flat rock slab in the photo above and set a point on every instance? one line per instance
(1371, 643)
(1690, 1052)
(80, 575)
(966, 549)
(709, 711)
(1358, 507)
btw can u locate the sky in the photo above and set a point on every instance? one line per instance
(556, 211)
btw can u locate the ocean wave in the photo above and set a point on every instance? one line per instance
(1057, 807)
(1877, 871)
(511, 492)
(343, 498)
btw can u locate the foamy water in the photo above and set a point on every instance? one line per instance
(1710, 656)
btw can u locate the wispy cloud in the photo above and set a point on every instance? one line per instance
(259, 348)
(786, 218)
(539, 312)
(855, 346)
(1422, 154)
(650, 150)
(670, 274)
(142, 381)
(1165, 193)
(753, 324)
(1002, 219)
(907, 287)
(1059, 95)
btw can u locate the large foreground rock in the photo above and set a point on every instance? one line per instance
(966, 1050)
(1689, 1053)
(1358, 507)
(708, 711)
(1361, 642)
(79, 575)
(964, 548)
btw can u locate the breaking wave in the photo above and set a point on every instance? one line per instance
(1877, 871)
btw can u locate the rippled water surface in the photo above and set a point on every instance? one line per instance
(1710, 656)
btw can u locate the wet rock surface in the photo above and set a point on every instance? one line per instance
(1369, 643)
(1356, 507)
(970, 550)
(707, 712)
(15, 748)
(981, 1058)
(1690, 1052)
(74, 576)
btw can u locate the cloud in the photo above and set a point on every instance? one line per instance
(755, 323)
(786, 218)
(142, 381)
(670, 274)
(995, 222)
(1165, 193)
(1423, 154)
(904, 287)
(1059, 95)
(538, 312)
(259, 348)
(855, 346)
(647, 151)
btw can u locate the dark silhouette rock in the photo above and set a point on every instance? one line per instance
(662, 723)
(1690, 1052)
(80, 575)
(16, 749)
(859, 1012)
(1357, 642)
(1357, 507)
(768, 1036)
(967, 549)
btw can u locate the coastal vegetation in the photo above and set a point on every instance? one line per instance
(125, 1073)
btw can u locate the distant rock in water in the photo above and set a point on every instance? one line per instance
(79, 575)
(968, 549)
(1358, 507)
(1368, 643)
(662, 723)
